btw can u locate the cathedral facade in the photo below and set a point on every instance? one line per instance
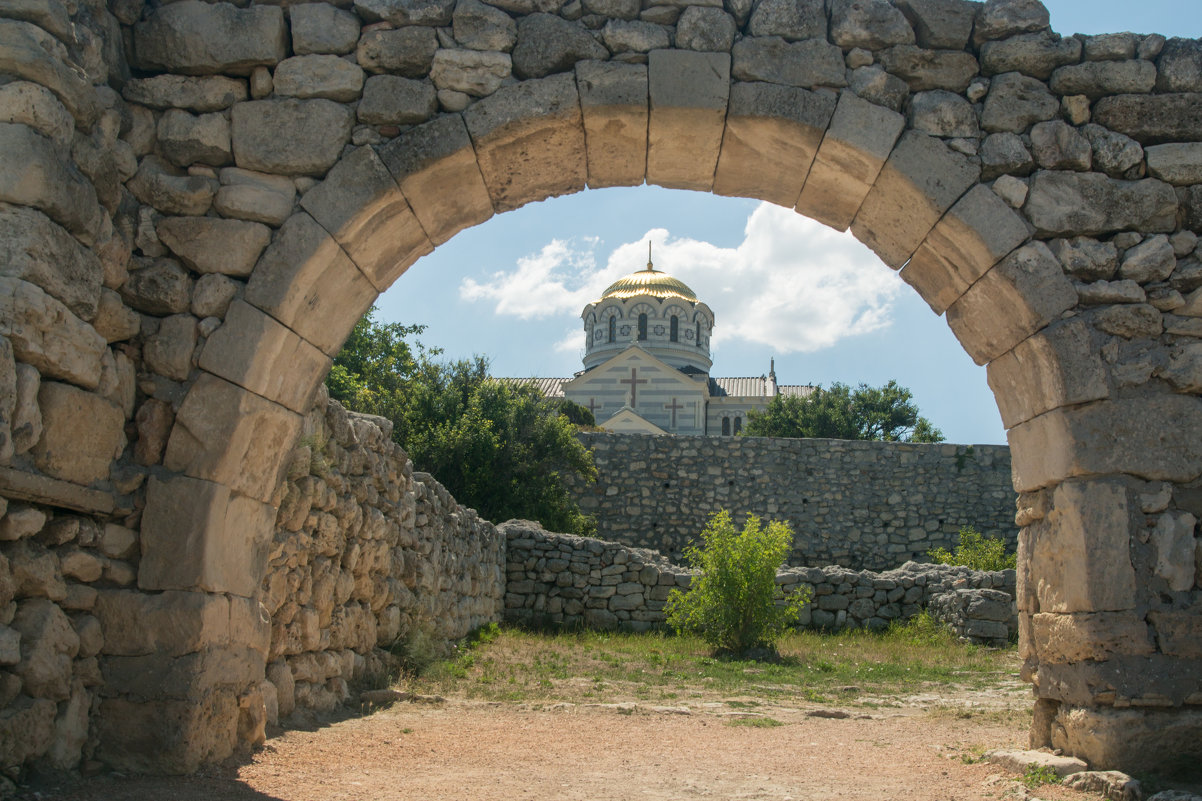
(647, 364)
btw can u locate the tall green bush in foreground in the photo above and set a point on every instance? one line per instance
(975, 551)
(732, 603)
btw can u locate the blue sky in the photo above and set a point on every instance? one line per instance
(781, 286)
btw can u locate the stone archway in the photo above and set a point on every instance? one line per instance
(1043, 241)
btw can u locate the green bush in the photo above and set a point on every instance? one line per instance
(732, 603)
(975, 551)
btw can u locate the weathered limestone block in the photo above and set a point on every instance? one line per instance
(154, 421)
(48, 644)
(871, 24)
(44, 333)
(70, 729)
(1059, 366)
(308, 283)
(326, 76)
(317, 131)
(1173, 544)
(1151, 260)
(614, 106)
(361, 206)
(186, 139)
(392, 100)
(161, 186)
(168, 351)
(1030, 284)
(407, 52)
(1034, 54)
(710, 29)
(1085, 258)
(1136, 435)
(529, 141)
(921, 179)
(1072, 204)
(82, 434)
(857, 143)
(29, 53)
(435, 166)
(255, 352)
(477, 26)
(322, 28)
(199, 94)
(634, 36)
(226, 434)
(26, 729)
(772, 134)
(1113, 153)
(473, 72)
(81, 565)
(1059, 146)
(923, 70)
(256, 197)
(940, 23)
(158, 286)
(33, 173)
(407, 12)
(1179, 633)
(211, 245)
(1063, 638)
(36, 106)
(1152, 119)
(1005, 154)
(197, 38)
(804, 19)
(879, 87)
(1015, 102)
(1096, 79)
(1001, 19)
(548, 44)
(167, 736)
(171, 623)
(807, 63)
(973, 236)
(1183, 371)
(35, 572)
(688, 98)
(945, 114)
(27, 415)
(1137, 739)
(1178, 164)
(20, 522)
(1180, 66)
(35, 249)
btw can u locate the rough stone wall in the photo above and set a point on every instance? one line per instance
(857, 504)
(565, 580)
(366, 551)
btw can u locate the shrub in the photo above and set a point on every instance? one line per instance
(975, 551)
(732, 603)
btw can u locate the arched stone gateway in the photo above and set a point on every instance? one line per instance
(273, 169)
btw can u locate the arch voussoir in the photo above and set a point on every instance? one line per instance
(614, 104)
(689, 93)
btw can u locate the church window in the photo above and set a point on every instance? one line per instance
(675, 329)
(699, 335)
(612, 326)
(738, 425)
(642, 326)
(726, 426)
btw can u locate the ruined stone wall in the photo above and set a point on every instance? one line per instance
(366, 552)
(564, 580)
(857, 504)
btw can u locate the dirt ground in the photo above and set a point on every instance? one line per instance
(922, 749)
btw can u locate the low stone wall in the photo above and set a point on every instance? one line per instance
(365, 552)
(564, 580)
(870, 505)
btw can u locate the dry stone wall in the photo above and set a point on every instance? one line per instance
(867, 505)
(366, 553)
(562, 580)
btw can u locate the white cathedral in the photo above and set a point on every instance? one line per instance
(647, 363)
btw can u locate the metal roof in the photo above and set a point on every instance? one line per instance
(549, 387)
(753, 387)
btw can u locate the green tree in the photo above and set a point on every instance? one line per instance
(731, 603)
(876, 413)
(976, 551)
(503, 450)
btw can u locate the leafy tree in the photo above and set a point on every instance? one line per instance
(876, 413)
(732, 603)
(503, 450)
(975, 551)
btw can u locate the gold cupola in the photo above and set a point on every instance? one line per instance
(649, 281)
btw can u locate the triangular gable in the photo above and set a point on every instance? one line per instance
(635, 356)
(628, 421)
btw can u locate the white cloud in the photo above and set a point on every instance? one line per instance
(792, 283)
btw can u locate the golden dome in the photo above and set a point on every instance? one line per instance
(649, 281)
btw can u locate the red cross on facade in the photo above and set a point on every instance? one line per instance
(633, 381)
(673, 406)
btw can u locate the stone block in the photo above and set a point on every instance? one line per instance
(925, 70)
(634, 36)
(548, 44)
(529, 141)
(614, 107)
(435, 166)
(1032, 288)
(360, 205)
(200, 94)
(1133, 740)
(1061, 638)
(857, 143)
(186, 139)
(1179, 164)
(167, 736)
(393, 100)
(1033, 54)
(1022, 761)
(870, 24)
(211, 245)
(803, 19)
(877, 86)
(317, 131)
(1179, 632)
(168, 352)
(1072, 204)
(1152, 119)
(29, 53)
(1057, 145)
(688, 98)
(407, 12)
(48, 644)
(973, 236)
(197, 38)
(711, 29)
(197, 535)
(171, 623)
(325, 76)
(1000, 19)
(1015, 102)
(82, 434)
(1059, 366)
(772, 135)
(158, 287)
(1137, 435)
(164, 188)
(212, 295)
(35, 249)
(808, 63)
(309, 284)
(255, 352)
(919, 182)
(472, 72)
(36, 106)
(1173, 545)
(1096, 79)
(945, 24)
(322, 28)
(477, 26)
(408, 52)
(34, 173)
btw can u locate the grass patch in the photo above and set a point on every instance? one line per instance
(755, 723)
(1037, 775)
(506, 664)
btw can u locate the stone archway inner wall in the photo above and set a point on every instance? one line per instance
(199, 201)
